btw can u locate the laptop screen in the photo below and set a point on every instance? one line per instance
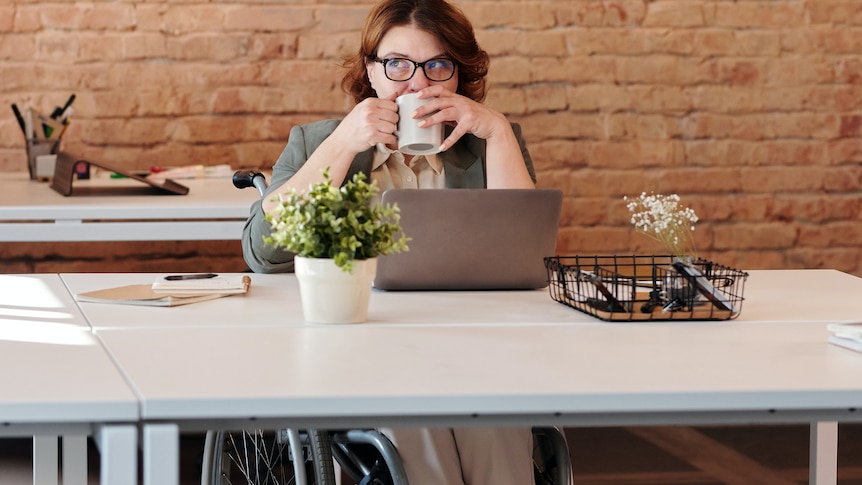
(472, 239)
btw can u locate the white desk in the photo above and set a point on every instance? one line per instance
(476, 358)
(59, 380)
(273, 300)
(212, 210)
(770, 297)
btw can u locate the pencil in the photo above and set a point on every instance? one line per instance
(20, 119)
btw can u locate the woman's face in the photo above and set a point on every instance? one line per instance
(410, 43)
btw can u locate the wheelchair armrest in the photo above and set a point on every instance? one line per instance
(250, 178)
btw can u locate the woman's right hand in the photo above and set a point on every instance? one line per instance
(372, 121)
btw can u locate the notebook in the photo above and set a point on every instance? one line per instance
(472, 239)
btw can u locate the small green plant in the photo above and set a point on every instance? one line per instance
(338, 223)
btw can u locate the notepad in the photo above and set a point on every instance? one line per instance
(221, 285)
(144, 295)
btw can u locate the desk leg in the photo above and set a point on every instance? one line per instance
(45, 468)
(161, 454)
(118, 449)
(823, 457)
(74, 460)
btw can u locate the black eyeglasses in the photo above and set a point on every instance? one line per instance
(401, 69)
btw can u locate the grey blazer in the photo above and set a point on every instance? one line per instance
(463, 165)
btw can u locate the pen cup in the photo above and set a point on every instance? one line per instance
(37, 148)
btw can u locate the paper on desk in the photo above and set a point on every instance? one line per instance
(193, 172)
(848, 335)
(847, 343)
(220, 285)
(141, 295)
(851, 331)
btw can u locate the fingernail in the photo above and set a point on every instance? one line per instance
(422, 123)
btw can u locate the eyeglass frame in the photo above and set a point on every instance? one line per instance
(416, 66)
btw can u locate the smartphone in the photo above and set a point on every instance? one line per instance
(195, 276)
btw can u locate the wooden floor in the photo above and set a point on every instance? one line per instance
(705, 455)
(718, 455)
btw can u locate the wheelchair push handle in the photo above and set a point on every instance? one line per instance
(249, 178)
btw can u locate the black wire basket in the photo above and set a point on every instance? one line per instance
(640, 288)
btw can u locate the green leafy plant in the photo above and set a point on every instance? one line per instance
(340, 223)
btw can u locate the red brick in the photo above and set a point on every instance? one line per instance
(673, 13)
(331, 46)
(545, 98)
(782, 179)
(844, 151)
(109, 16)
(843, 259)
(303, 72)
(562, 125)
(143, 45)
(507, 101)
(775, 236)
(598, 14)
(270, 18)
(518, 15)
(28, 18)
(759, 14)
(727, 42)
(652, 69)
(17, 47)
(332, 19)
(549, 44)
(553, 154)
(498, 42)
(594, 240)
(7, 19)
(839, 12)
(829, 235)
(845, 178)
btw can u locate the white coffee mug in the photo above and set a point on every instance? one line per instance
(413, 140)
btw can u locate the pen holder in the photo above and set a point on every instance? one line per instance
(37, 148)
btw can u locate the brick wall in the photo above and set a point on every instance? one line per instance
(750, 110)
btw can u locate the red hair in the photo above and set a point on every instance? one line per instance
(439, 18)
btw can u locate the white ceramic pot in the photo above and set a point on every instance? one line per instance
(332, 295)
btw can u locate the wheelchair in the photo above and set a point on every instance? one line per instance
(366, 457)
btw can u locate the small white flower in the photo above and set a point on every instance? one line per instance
(662, 218)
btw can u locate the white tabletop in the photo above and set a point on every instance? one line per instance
(774, 296)
(483, 358)
(56, 371)
(425, 356)
(32, 211)
(371, 375)
(274, 300)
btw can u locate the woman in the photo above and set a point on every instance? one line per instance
(427, 47)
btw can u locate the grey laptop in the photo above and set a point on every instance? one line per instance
(472, 239)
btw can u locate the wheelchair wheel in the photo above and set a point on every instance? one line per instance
(261, 457)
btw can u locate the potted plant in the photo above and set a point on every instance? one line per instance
(336, 234)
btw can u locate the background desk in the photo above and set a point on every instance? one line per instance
(212, 210)
(59, 380)
(484, 358)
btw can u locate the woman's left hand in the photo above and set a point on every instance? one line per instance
(460, 112)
